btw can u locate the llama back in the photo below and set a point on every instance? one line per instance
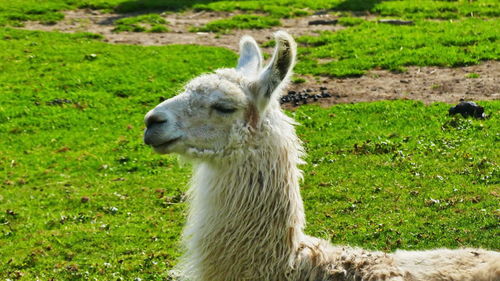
(446, 264)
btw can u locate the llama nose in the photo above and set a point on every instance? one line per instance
(155, 117)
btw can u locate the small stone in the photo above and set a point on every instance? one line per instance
(396, 21)
(91, 57)
(468, 108)
(323, 22)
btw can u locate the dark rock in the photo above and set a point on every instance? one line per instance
(396, 22)
(468, 108)
(323, 22)
(303, 96)
(59, 101)
(320, 13)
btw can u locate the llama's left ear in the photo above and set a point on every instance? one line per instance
(277, 72)
(250, 61)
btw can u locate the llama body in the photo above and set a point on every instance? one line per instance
(246, 216)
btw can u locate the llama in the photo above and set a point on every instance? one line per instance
(246, 216)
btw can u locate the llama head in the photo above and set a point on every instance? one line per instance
(221, 113)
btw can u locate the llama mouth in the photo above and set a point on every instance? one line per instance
(166, 144)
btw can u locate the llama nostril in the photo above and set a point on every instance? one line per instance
(156, 118)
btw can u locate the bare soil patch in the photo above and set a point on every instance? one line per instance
(428, 84)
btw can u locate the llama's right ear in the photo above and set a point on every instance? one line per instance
(250, 61)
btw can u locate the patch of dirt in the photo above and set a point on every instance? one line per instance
(428, 84)
(180, 23)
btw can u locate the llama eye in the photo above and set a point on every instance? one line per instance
(223, 108)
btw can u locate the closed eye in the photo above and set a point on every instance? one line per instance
(223, 108)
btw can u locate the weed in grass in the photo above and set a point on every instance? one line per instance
(436, 86)
(158, 29)
(350, 21)
(298, 80)
(472, 75)
(269, 44)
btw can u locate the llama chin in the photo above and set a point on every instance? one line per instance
(246, 216)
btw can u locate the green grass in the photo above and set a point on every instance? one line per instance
(238, 22)
(81, 197)
(71, 113)
(142, 23)
(393, 175)
(374, 45)
(350, 21)
(472, 75)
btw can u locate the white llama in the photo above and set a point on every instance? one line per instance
(246, 217)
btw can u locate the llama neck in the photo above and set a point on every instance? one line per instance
(245, 215)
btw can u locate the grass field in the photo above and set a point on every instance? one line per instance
(81, 198)
(16, 11)
(355, 50)
(71, 113)
(445, 33)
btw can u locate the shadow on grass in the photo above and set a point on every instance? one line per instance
(155, 5)
(357, 5)
(176, 5)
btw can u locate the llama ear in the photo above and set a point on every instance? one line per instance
(250, 61)
(278, 71)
